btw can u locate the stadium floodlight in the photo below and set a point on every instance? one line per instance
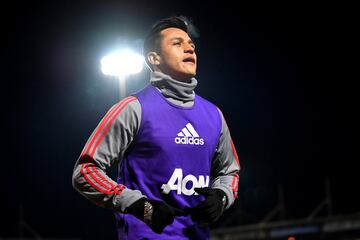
(122, 64)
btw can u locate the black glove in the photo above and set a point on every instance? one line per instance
(210, 210)
(156, 214)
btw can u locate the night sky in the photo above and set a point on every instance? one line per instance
(276, 71)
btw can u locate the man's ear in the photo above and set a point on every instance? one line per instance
(154, 58)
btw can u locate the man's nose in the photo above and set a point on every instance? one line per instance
(188, 48)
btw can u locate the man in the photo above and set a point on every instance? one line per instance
(178, 168)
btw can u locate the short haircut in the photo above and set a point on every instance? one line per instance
(153, 38)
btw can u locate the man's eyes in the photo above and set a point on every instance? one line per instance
(179, 44)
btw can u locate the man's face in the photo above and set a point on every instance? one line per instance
(177, 54)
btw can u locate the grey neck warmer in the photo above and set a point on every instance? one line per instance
(177, 92)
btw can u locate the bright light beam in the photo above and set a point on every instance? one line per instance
(122, 63)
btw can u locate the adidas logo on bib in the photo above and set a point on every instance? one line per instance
(189, 136)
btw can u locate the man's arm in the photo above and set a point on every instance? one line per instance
(105, 147)
(226, 166)
(221, 195)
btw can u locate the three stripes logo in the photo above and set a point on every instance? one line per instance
(188, 135)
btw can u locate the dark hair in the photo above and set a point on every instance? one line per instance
(153, 38)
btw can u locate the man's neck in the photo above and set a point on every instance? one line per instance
(177, 92)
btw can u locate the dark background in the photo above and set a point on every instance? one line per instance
(280, 73)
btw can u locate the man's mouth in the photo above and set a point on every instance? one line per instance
(189, 59)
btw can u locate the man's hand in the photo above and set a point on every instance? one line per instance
(156, 214)
(210, 210)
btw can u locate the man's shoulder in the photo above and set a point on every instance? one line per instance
(207, 101)
(211, 104)
(129, 104)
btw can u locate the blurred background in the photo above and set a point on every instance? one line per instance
(281, 73)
